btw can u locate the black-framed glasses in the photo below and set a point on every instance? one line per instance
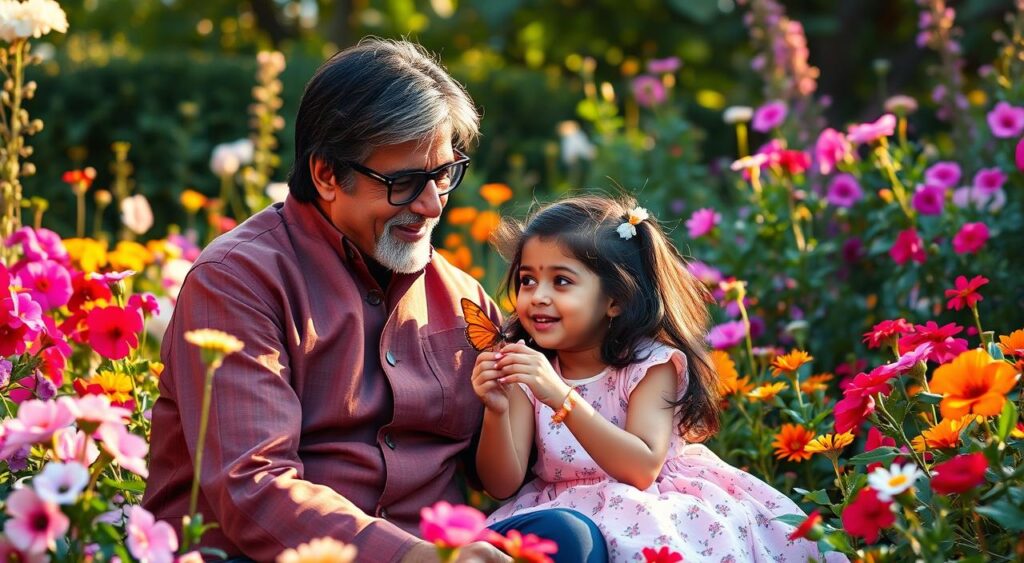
(404, 188)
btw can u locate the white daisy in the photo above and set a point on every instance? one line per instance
(893, 481)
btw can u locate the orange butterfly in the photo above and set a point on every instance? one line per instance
(481, 331)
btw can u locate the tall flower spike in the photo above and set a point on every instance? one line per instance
(627, 230)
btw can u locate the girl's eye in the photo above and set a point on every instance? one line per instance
(561, 280)
(526, 280)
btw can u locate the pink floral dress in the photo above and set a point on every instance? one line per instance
(700, 506)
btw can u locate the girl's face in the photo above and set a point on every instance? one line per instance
(560, 302)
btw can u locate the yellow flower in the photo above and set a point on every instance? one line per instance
(214, 340)
(830, 443)
(130, 255)
(156, 368)
(973, 383)
(88, 254)
(496, 194)
(116, 386)
(163, 250)
(323, 550)
(790, 362)
(1013, 343)
(461, 215)
(945, 434)
(192, 200)
(767, 392)
(817, 382)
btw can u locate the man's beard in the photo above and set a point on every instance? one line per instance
(401, 256)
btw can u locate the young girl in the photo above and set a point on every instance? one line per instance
(606, 361)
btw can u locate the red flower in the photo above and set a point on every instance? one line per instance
(85, 290)
(113, 331)
(805, 527)
(867, 515)
(908, 246)
(971, 238)
(852, 410)
(944, 346)
(524, 549)
(960, 474)
(874, 440)
(663, 555)
(966, 293)
(80, 180)
(883, 331)
(794, 162)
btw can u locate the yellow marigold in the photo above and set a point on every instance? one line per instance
(768, 391)
(116, 386)
(817, 382)
(1013, 343)
(789, 363)
(829, 443)
(461, 215)
(484, 225)
(192, 200)
(945, 434)
(214, 340)
(322, 550)
(88, 254)
(973, 383)
(129, 255)
(496, 194)
(156, 368)
(791, 442)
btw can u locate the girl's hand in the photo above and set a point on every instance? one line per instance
(491, 392)
(521, 364)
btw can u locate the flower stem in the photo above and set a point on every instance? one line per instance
(204, 420)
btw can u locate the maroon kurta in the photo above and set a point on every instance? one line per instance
(346, 412)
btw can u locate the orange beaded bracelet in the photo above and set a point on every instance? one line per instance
(563, 412)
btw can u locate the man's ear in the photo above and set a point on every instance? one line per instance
(323, 178)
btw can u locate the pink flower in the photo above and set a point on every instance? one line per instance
(1006, 121)
(944, 346)
(35, 523)
(48, 282)
(1019, 155)
(128, 450)
(145, 302)
(61, 483)
(113, 331)
(702, 222)
(667, 65)
(450, 526)
(989, 180)
(37, 421)
(110, 277)
(869, 132)
(971, 196)
(852, 410)
(648, 90)
(41, 244)
(960, 474)
(727, 335)
(945, 174)
(965, 293)
(70, 444)
(906, 361)
(971, 238)
(831, 148)
(844, 191)
(21, 321)
(149, 540)
(95, 410)
(885, 332)
(929, 200)
(10, 553)
(908, 246)
(769, 116)
(708, 275)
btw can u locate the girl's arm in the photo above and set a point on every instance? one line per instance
(506, 437)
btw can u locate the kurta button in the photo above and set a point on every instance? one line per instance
(374, 297)
(389, 440)
(390, 358)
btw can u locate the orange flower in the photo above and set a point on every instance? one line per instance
(1012, 344)
(484, 225)
(459, 257)
(790, 443)
(973, 383)
(454, 240)
(945, 434)
(192, 200)
(461, 215)
(477, 272)
(817, 382)
(496, 194)
(790, 362)
(830, 443)
(729, 381)
(767, 392)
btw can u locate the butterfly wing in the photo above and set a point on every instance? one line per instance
(481, 331)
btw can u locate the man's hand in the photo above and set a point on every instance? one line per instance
(477, 552)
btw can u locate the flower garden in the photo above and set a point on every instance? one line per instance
(869, 315)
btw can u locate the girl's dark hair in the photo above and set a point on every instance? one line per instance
(645, 276)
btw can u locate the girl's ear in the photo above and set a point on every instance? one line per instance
(613, 309)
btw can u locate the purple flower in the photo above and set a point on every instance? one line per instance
(18, 461)
(6, 367)
(1006, 121)
(853, 250)
(702, 222)
(869, 132)
(48, 282)
(668, 65)
(769, 116)
(708, 275)
(844, 191)
(648, 90)
(945, 173)
(988, 180)
(727, 335)
(929, 200)
(831, 148)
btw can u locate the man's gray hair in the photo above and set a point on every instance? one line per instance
(377, 93)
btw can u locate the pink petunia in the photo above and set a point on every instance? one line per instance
(70, 444)
(989, 180)
(94, 410)
(35, 524)
(1006, 120)
(727, 335)
(929, 200)
(908, 246)
(10, 553)
(831, 148)
(702, 222)
(945, 173)
(451, 526)
(769, 116)
(47, 282)
(36, 422)
(648, 90)
(114, 331)
(128, 450)
(149, 540)
(39, 244)
(971, 238)
(21, 321)
(844, 191)
(869, 132)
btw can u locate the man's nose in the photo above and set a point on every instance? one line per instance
(429, 203)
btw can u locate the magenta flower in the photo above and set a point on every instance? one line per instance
(668, 65)
(35, 524)
(844, 191)
(727, 335)
(10, 553)
(128, 450)
(114, 331)
(971, 238)
(149, 540)
(36, 422)
(648, 90)
(110, 277)
(47, 282)
(450, 526)
(929, 200)
(41, 244)
(830, 149)
(61, 483)
(708, 275)
(769, 116)
(908, 360)
(944, 347)
(945, 174)
(989, 180)
(702, 222)
(869, 132)
(970, 196)
(20, 322)
(1019, 155)
(1006, 121)
(908, 246)
(145, 302)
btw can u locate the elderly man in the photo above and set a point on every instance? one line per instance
(350, 408)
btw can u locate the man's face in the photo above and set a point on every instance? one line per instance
(396, 237)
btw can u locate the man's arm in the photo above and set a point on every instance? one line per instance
(251, 473)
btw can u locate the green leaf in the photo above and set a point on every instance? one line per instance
(840, 541)
(1005, 514)
(1007, 420)
(791, 519)
(700, 11)
(882, 454)
(928, 398)
(995, 351)
(819, 496)
(795, 416)
(137, 487)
